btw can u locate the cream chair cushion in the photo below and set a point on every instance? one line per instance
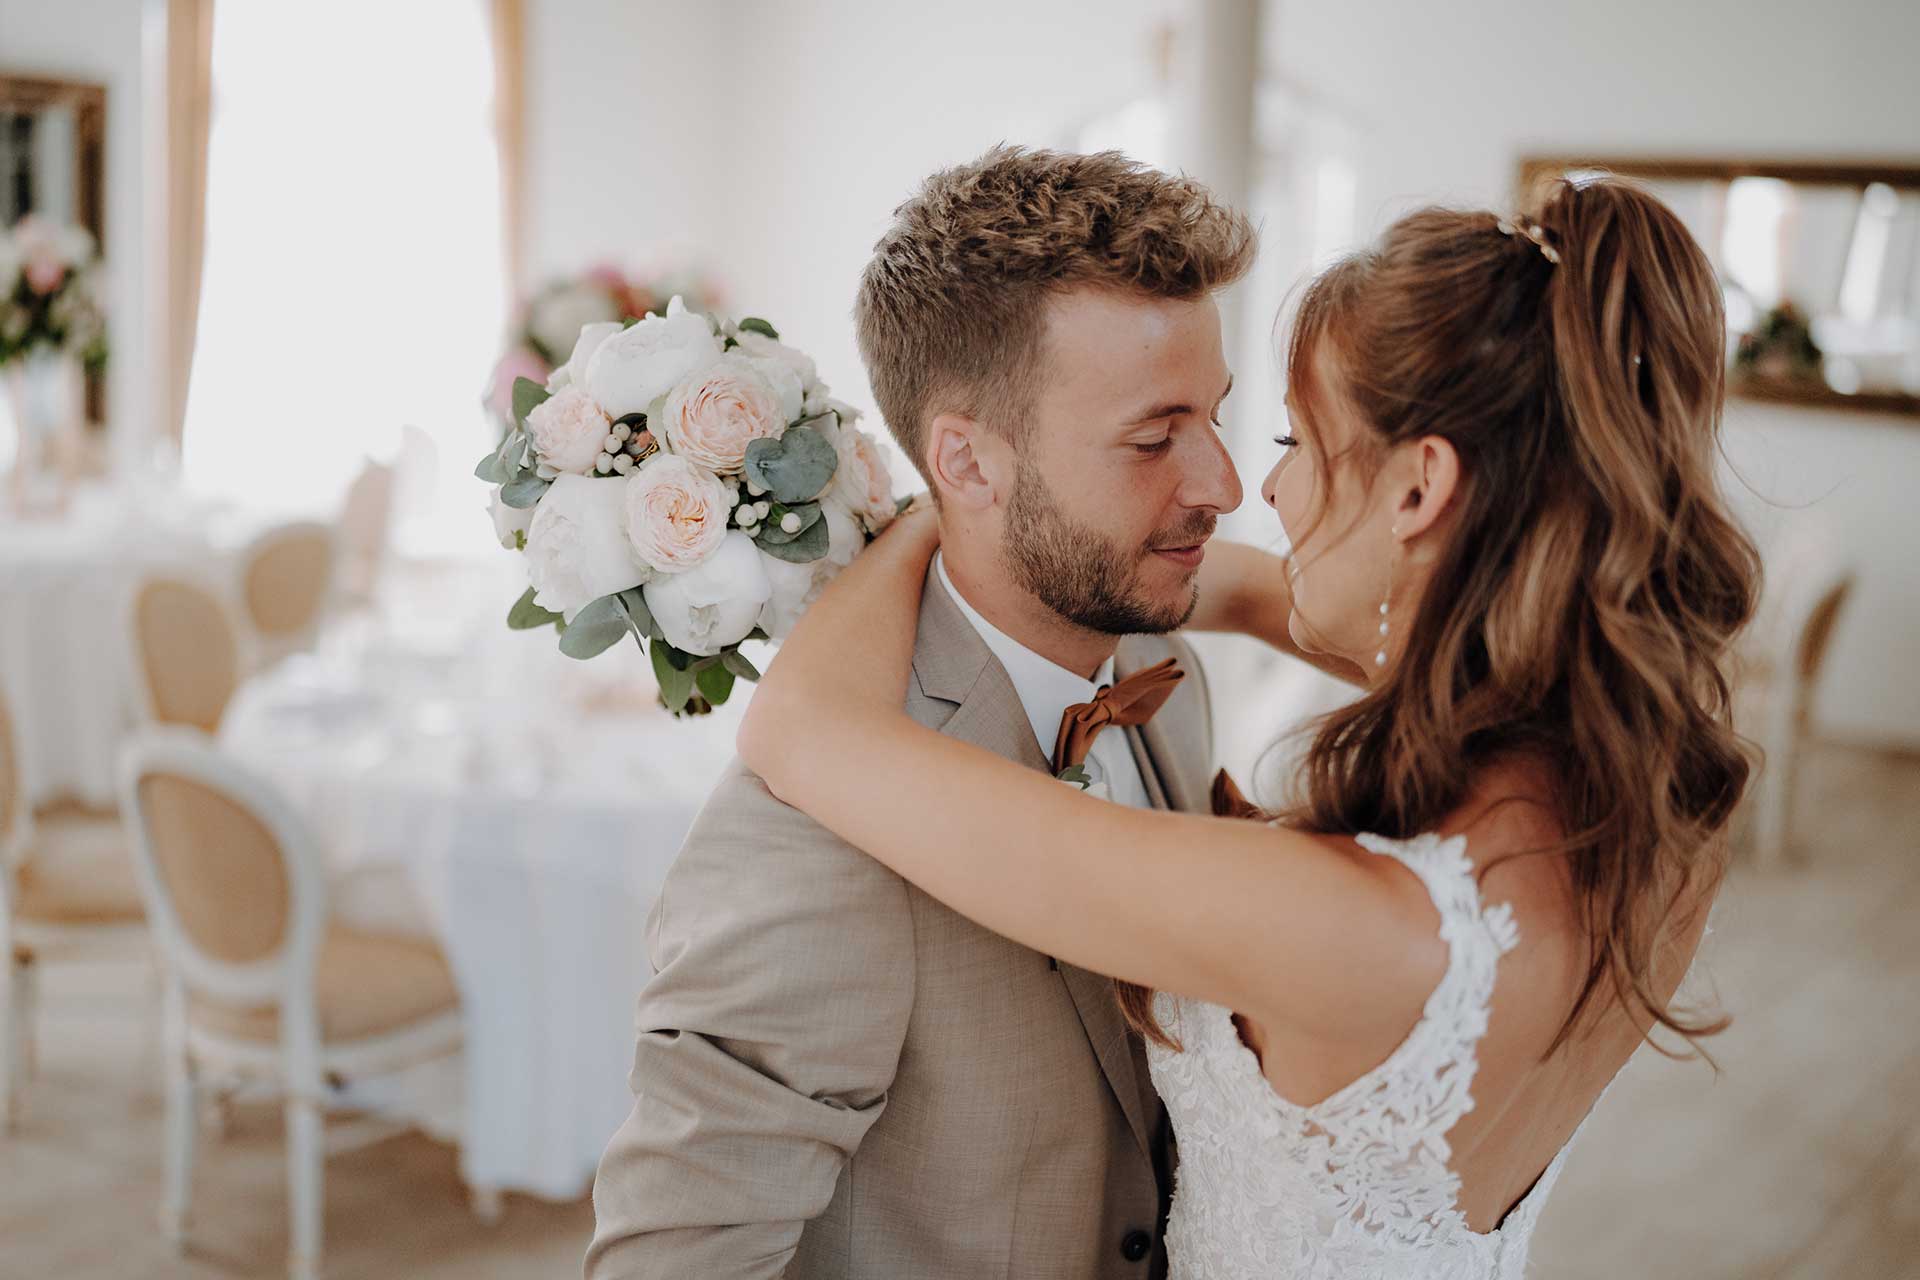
(367, 985)
(78, 870)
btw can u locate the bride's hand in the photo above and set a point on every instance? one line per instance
(851, 653)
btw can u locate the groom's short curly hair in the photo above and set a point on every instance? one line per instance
(951, 312)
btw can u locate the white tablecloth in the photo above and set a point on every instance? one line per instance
(64, 651)
(533, 835)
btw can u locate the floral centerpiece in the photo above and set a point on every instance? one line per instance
(545, 324)
(47, 297)
(686, 481)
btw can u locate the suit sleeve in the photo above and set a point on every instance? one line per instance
(767, 1040)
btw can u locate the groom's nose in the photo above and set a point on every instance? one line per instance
(1210, 481)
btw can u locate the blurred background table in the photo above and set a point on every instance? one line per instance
(523, 810)
(64, 582)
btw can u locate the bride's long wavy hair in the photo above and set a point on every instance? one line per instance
(1581, 612)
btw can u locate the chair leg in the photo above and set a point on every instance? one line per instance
(182, 1119)
(306, 1173)
(10, 1046)
(26, 1012)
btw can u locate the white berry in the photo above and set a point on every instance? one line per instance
(622, 431)
(761, 508)
(790, 523)
(603, 464)
(612, 444)
(754, 489)
(623, 464)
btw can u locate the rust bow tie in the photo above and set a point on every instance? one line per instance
(1127, 702)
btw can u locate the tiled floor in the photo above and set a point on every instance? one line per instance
(1799, 1161)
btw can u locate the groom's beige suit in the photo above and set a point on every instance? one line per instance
(839, 1077)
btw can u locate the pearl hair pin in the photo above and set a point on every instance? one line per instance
(1518, 226)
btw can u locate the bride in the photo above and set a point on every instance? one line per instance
(1382, 1015)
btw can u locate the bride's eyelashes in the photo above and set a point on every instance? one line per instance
(1286, 442)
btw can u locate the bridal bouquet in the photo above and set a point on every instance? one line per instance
(686, 481)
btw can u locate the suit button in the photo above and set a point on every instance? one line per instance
(1136, 1246)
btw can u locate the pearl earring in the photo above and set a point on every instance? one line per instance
(1380, 658)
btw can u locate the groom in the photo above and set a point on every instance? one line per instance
(837, 1076)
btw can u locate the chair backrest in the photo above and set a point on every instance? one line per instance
(365, 517)
(1816, 633)
(186, 655)
(233, 884)
(284, 578)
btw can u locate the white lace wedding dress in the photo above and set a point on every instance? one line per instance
(1357, 1186)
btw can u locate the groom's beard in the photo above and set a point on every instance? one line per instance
(1085, 576)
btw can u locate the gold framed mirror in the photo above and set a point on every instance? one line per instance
(53, 167)
(1820, 263)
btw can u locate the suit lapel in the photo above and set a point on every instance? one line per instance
(952, 663)
(1168, 785)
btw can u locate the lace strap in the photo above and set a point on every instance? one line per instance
(1443, 867)
(1439, 1059)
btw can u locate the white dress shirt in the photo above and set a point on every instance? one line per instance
(1046, 690)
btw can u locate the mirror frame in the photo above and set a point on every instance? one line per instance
(89, 101)
(1537, 171)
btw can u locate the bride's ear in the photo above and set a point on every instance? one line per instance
(1427, 482)
(970, 465)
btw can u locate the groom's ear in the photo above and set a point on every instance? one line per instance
(971, 466)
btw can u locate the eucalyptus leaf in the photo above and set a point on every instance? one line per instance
(528, 616)
(595, 629)
(809, 546)
(772, 534)
(493, 469)
(796, 468)
(525, 492)
(676, 685)
(737, 662)
(715, 684)
(639, 617)
(528, 395)
(754, 324)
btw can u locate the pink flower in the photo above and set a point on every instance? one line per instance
(569, 431)
(863, 482)
(676, 513)
(45, 277)
(712, 418)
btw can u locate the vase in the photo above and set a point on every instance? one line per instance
(43, 391)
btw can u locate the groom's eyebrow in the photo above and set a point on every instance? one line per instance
(1160, 411)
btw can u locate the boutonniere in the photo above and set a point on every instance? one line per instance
(1077, 776)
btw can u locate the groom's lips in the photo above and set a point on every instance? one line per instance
(1185, 557)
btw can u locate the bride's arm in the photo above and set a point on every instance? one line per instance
(1246, 591)
(1278, 924)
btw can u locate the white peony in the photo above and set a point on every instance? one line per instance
(574, 372)
(569, 431)
(845, 538)
(795, 588)
(577, 547)
(761, 347)
(633, 368)
(509, 523)
(704, 610)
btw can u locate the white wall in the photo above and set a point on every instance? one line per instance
(99, 41)
(777, 138)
